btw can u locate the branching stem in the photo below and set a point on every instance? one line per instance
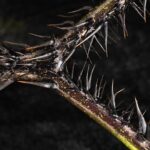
(114, 124)
(122, 131)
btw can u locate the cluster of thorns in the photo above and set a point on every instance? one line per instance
(40, 64)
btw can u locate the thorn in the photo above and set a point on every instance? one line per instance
(80, 84)
(80, 75)
(66, 16)
(48, 43)
(142, 122)
(69, 56)
(130, 115)
(106, 37)
(113, 96)
(72, 72)
(99, 43)
(93, 33)
(66, 25)
(93, 50)
(100, 87)
(103, 88)
(84, 47)
(144, 9)
(4, 84)
(40, 84)
(22, 45)
(44, 56)
(66, 68)
(90, 78)
(87, 79)
(119, 92)
(91, 42)
(40, 36)
(96, 90)
(122, 17)
(81, 9)
(137, 9)
(81, 24)
(65, 28)
(71, 23)
(71, 53)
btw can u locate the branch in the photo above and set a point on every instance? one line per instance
(43, 65)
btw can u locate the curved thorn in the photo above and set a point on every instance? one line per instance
(142, 122)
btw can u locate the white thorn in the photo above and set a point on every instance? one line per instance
(142, 122)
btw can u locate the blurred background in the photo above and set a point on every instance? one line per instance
(33, 118)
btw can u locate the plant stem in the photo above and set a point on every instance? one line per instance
(98, 113)
(81, 100)
(122, 131)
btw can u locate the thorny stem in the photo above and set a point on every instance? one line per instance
(71, 92)
(122, 131)
(97, 13)
(98, 113)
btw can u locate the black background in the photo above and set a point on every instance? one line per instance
(38, 119)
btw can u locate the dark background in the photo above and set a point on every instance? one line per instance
(33, 118)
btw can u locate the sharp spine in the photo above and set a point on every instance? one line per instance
(113, 97)
(41, 84)
(142, 122)
(106, 37)
(144, 9)
(72, 71)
